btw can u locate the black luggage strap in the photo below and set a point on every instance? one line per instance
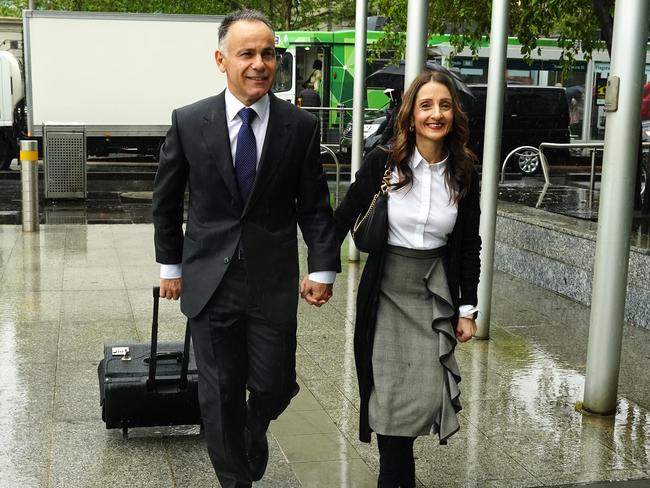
(186, 357)
(153, 358)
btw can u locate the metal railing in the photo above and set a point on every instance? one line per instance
(516, 151)
(334, 121)
(326, 150)
(592, 146)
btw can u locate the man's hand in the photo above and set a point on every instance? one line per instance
(315, 293)
(465, 329)
(170, 289)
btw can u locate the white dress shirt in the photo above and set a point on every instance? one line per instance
(421, 215)
(259, 124)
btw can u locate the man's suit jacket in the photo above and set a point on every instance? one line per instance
(290, 188)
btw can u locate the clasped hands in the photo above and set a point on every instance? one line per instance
(315, 293)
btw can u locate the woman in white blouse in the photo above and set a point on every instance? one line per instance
(417, 296)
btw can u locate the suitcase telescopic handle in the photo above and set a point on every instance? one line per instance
(166, 356)
(153, 358)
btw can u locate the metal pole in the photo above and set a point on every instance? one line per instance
(32, 4)
(29, 177)
(341, 114)
(588, 99)
(592, 172)
(359, 97)
(491, 156)
(616, 205)
(416, 40)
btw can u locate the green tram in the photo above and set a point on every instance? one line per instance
(300, 52)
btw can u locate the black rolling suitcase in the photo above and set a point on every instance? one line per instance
(145, 385)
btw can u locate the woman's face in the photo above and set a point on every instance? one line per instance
(433, 113)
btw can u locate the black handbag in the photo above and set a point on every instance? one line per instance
(370, 231)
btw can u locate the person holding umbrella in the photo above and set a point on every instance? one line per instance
(417, 296)
(388, 125)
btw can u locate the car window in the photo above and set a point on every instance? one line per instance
(477, 109)
(540, 102)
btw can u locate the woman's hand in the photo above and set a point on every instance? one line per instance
(465, 329)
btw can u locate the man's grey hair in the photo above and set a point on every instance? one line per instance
(243, 14)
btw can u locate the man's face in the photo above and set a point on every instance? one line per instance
(248, 59)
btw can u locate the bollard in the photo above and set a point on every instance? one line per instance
(29, 177)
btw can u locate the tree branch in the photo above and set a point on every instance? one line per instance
(602, 9)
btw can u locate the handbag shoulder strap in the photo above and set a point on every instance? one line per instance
(388, 172)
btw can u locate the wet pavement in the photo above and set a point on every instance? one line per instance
(117, 194)
(73, 286)
(121, 194)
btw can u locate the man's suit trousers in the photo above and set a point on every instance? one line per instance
(236, 349)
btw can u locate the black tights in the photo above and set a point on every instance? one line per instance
(396, 462)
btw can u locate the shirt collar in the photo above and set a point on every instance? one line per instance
(234, 105)
(417, 159)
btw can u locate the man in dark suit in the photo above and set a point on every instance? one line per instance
(250, 162)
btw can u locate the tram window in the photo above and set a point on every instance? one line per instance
(284, 72)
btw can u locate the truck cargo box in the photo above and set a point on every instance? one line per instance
(120, 75)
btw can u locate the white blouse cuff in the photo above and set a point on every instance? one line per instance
(467, 311)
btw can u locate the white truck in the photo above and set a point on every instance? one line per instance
(118, 75)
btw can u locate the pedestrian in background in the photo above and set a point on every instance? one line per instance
(251, 164)
(417, 296)
(308, 97)
(316, 76)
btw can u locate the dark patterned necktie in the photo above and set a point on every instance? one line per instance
(246, 154)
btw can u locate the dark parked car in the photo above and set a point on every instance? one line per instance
(531, 115)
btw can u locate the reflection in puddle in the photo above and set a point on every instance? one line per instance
(571, 201)
(536, 400)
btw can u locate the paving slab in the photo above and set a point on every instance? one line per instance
(70, 288)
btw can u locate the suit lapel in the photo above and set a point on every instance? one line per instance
(275, 142)
(217, 141)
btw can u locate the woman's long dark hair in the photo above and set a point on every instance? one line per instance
(461, 160)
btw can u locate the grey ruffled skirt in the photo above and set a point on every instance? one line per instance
(415, 373)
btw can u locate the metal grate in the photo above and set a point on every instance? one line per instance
(65, 217)
(65, 161)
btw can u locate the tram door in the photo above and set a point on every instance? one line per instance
(313, 64)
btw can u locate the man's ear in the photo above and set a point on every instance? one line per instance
(219, 57)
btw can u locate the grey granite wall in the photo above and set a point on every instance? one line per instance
(557, 253)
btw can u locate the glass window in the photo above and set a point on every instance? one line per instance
(284, 74)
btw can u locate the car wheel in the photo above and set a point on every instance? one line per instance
(527, 162)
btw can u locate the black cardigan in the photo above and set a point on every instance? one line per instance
(462, 265)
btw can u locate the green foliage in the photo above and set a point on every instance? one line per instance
(572, 22)
(285, 14)
(14, 8)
